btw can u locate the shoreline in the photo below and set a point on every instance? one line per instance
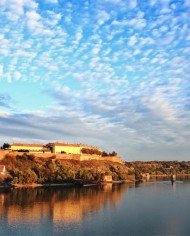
(165, 175)
(33, 185)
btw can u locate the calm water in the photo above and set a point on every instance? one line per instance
(153, 208)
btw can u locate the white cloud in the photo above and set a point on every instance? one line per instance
(1, 70)
(146, 41)
(129, 68)
(30, 4)
(95, 50)
(186, 3)
(137, 52)
(102, 17)
(17, 75)
(161, 107)
(137, 23)
(79, 34)
(132, 41)
(8, 77)
(132, 4)
(153, 2)
(4, 114)
(52, 19)
(16, 8)
(33, 19)
(154, 60)
(165, 10)
(164, 28)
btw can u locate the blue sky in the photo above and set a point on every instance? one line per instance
(111, 73)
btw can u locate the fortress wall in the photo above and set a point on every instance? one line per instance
(14, 154)
(113, 159)
(64, 156)
(68, 157)
(86, 157)
(43, 155)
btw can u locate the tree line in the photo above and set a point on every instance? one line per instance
(92, 151)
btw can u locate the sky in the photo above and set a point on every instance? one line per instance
(109, 73)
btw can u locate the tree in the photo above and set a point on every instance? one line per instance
(6, 145)
(104, 154)
(91, 151)
(113, 154)
(138, 176)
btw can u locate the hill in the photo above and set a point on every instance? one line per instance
(27, 168)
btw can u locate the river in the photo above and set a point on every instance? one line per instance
(149, 208)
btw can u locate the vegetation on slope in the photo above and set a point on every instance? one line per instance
(159, 167)
(26, 169)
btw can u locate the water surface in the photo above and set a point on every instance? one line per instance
(151, 208)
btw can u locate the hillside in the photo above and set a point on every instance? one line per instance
(27, 168)
(159, 167)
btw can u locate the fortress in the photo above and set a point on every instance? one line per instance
(64, 151)
(55, 148)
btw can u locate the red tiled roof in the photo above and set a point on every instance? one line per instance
(27, 145)
(71, 145)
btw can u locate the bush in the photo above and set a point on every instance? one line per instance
(91, 151)
(6, 146)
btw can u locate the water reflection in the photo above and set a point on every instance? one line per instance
(59, 205)
(152, 208)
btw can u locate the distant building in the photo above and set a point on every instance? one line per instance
(68, 148)
(2, 169)
(29, 147)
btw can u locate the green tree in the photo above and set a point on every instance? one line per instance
(113, 154)
(6, 146)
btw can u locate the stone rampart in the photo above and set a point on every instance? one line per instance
(86, 157)
(113, 159)
(68, 157)
(64, 156)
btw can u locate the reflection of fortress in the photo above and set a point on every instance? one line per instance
(64, 151)
(63, 206)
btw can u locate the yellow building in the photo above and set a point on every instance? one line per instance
(29, 147)
(68, 148)
(55, 148)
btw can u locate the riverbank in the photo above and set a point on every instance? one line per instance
(34, 185)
